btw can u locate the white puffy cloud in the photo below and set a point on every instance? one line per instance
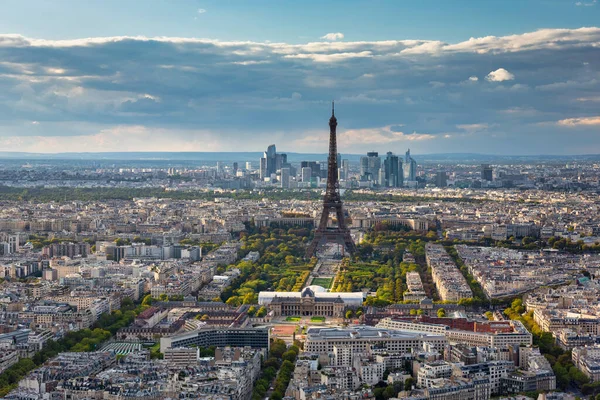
(201, 11)
(473, 78)
(500, 75)
(583, 121)
(333, 36)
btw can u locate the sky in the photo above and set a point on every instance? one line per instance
(510, 77)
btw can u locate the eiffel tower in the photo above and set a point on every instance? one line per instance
(332, 203)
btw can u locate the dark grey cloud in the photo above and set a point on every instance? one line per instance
(243, 95)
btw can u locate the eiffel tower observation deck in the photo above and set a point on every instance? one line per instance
(334, 230)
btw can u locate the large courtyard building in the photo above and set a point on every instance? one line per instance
(312, 300)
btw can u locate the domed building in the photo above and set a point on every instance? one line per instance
(311, 301)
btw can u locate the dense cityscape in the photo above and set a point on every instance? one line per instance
(461, 280)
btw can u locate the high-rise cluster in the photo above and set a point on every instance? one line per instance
(272, 162)
(391, 171)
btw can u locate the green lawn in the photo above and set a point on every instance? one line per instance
(324, 282)
(317, 319)
(293, 319)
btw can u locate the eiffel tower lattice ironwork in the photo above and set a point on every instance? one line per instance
(332, 203)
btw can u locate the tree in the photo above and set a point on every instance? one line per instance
(147, 301)
(517, 306)
(290, 356)
(278, 347)
(408, 384)
(290, 260)
(389, 392)
(261, 312)
(441, 313)
(420, 312)
(413, 311)
(578, 377)
(349, 314)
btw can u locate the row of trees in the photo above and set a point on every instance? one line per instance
(279, 365)
(42, 194)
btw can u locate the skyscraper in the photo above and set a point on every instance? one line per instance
(248, 166)
(393, 169)
(280, 161)
(235, 168)
(270, 156)
(345, 169)
(315, 167)
(268, 161)
(441, 179)
(263, 168)
(271, 162)
(410, 167)
(306, 174)
(487, 173)
(370, 166)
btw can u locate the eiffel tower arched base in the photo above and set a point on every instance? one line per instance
(331, 235)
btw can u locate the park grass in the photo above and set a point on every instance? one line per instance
(317, 319)
(293, 319)
(323, 282)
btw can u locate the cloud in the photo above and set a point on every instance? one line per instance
(248, 94)
(589, 98)
(586, 4)
(499, 75)
(333, 36)
(110, 139)
(472, 128)
(363, 98)
(583, 121)
(201, 11)
(352, 139)
(328, 58)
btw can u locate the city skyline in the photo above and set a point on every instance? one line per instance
(178, 222)
(519, 89)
